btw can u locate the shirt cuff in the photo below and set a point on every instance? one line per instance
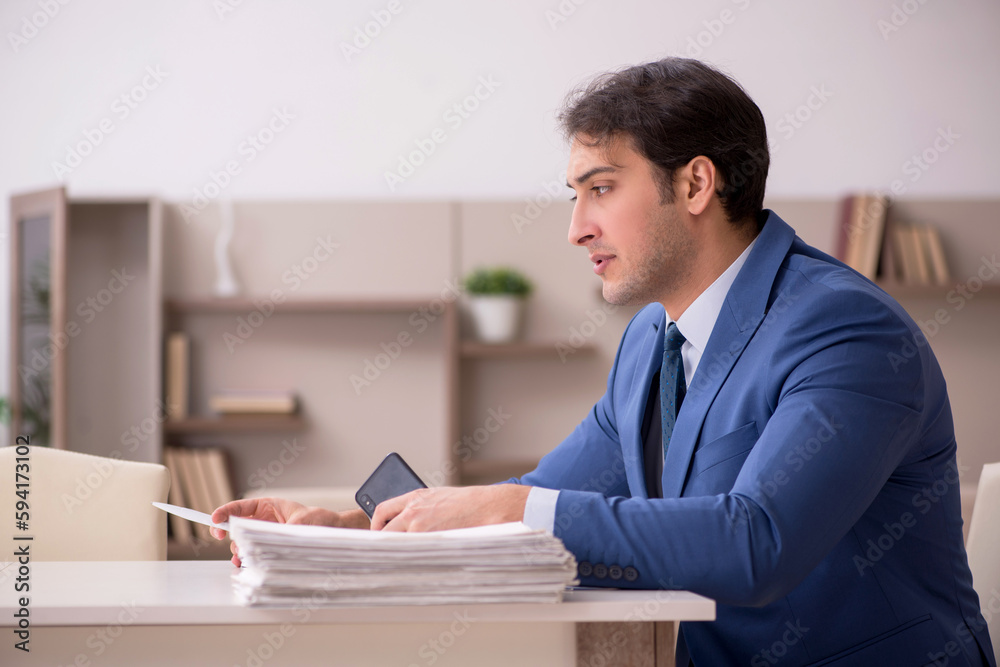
(540, 508)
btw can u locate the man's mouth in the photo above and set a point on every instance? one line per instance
(600, 262)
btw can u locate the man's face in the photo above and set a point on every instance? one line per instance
(639, 245)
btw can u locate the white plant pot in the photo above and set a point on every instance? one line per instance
(496, 317)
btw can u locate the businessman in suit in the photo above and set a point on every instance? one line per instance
(776, 432)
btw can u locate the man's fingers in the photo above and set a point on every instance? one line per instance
(245, 508)
(387, 510)
(236, 554)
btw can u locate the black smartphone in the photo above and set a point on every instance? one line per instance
(391, 478)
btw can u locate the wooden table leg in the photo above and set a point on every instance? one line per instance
(633, 644)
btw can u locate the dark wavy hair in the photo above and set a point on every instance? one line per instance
(672, 111)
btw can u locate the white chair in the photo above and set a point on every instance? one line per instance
(84, 507)
(983, 547)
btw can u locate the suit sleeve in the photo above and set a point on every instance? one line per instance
(831, 382)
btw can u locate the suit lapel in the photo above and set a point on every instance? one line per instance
(741, 315)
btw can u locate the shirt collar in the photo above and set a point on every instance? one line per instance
(698, 321)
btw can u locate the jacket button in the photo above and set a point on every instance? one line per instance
(585, 569)
(600, 570)
(615, 572)
(631, 574)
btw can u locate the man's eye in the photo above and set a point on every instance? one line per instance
(601, 189)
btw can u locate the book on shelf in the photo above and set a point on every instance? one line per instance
(176, 375)
(199, 480)
(935, 253)
(182, 530)
(254, 402)
(921, 255)
(861, 231)
(873, 244)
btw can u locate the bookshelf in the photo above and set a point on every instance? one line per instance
(901, 290)
(236, 424)
(86, 286)
(396, 259)
(455, 352)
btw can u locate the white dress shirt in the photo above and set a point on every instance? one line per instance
(696, 326)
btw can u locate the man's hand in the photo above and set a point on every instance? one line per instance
(283, 511)
(446, 507)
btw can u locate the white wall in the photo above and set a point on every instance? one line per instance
(889, 94)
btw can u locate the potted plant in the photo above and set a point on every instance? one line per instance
(496, 302)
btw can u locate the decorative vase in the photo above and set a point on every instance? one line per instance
(225, 282)
(496, 317)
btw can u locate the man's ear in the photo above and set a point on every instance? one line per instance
(698, 184)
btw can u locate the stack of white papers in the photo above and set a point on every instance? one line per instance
(292, 564)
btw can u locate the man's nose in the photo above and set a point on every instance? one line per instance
(582, 229)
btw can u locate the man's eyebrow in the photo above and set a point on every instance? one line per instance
(587, 175)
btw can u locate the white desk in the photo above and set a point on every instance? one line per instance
(184, 612)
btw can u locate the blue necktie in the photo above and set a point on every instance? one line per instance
(672, 384)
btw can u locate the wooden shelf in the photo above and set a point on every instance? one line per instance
(336, 305)
(498, 469)
(476, 350)
(235, 424)
(906, 290)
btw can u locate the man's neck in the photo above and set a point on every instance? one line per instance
(716, 256)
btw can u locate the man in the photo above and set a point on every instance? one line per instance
(776, 433)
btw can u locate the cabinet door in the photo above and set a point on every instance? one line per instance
(38, 316)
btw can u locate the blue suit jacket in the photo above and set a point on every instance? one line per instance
(810, 486)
